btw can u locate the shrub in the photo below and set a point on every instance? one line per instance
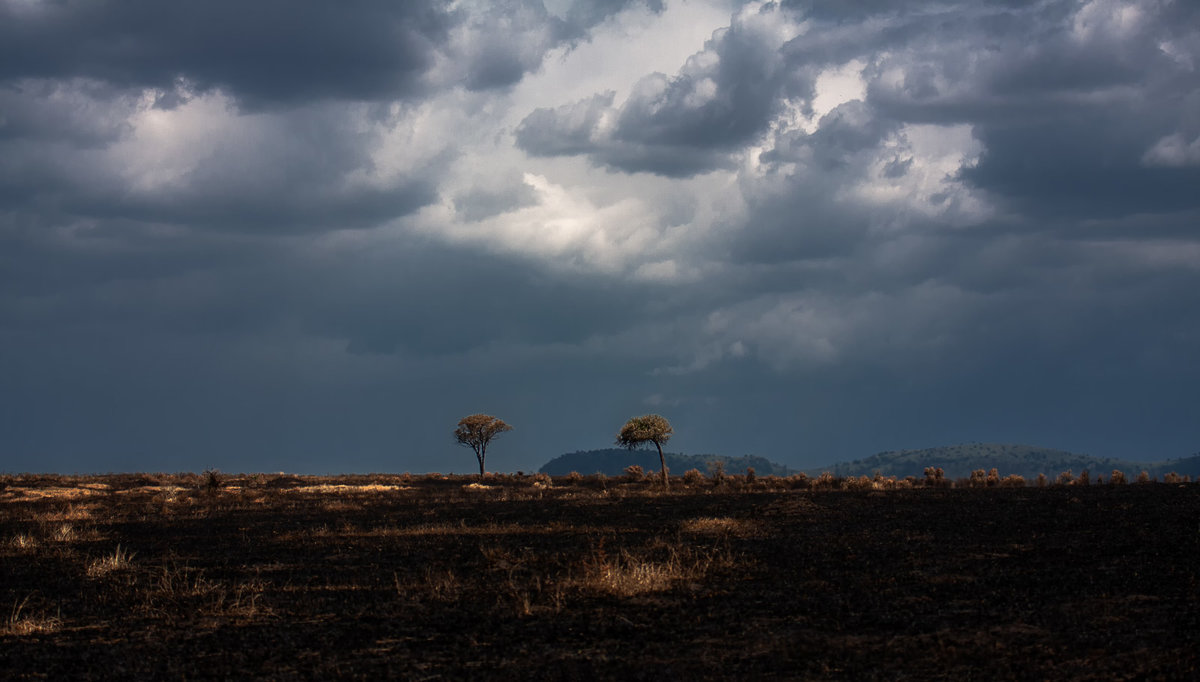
(212, 480)
(1012, 481)
(634, 472)
(693, 477)
(1084, 479)
(750, 475)
(1172, 478)
(1065, 478)
(1041, 481)
(935, 477)
(978, 478)
(598, 479)
(1117, 477)
(542, 480)
(993, 478)
(858, 483)
(825, 481)
(772, 482)
(798, 481)
(574, 478)
(717, 471)
(1144, 477)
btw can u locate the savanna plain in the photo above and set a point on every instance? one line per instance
(186, 576)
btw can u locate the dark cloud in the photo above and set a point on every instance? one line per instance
(588, 13)
(328, 254)
(273, 52)
(80, 114)
(479, 203)
(1080, 166)
(279, 178)
(564, 130)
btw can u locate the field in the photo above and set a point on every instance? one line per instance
(281, 577)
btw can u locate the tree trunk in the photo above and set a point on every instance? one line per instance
(662, 461)
(479, 454)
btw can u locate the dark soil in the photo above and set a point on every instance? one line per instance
(428, 579)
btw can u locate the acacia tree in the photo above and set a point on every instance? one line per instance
(476, 431)
(650, 428)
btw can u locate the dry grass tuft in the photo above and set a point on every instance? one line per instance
(23, 541)
(717, 525)
(64, 532)
(629, 574)
(325, 489)
(21, 623)
(118, 560)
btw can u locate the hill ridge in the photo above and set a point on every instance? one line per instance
(960, 460)
(612, 462)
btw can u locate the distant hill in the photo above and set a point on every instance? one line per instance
(612, 462)
(959, 461)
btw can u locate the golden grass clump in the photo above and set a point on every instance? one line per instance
(118, 560)
(21, 623)
(720, 525)
(23, 541)
(64, 532)
(629, 574)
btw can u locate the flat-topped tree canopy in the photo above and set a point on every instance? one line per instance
(476, 431)
(650, 428)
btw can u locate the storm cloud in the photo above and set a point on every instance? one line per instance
(304, 237)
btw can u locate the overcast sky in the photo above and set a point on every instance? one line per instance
(310, 236)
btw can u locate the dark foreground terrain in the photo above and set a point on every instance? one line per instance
(280, 577)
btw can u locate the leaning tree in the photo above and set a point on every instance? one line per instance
(476, 431)
(650, 428)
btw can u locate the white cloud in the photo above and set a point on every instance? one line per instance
(835, 86)
(565, 229)
(1173, 151)
(915, 174)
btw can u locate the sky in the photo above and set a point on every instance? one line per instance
(309, 237)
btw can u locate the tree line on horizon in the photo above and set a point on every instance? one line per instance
(477, 431)
(967, 461)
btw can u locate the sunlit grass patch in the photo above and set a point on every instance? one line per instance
(330, 488)
(715, 525)
(58, 492)
(119, 559)
(23, 541)
(64, 532)
(21, 622)
(484, 529)
(629, 576)
(71, 512)
(628, 573)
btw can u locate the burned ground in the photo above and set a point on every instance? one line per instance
(426, 577)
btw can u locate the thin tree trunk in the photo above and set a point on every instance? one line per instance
(480, 455)
(663, 461)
